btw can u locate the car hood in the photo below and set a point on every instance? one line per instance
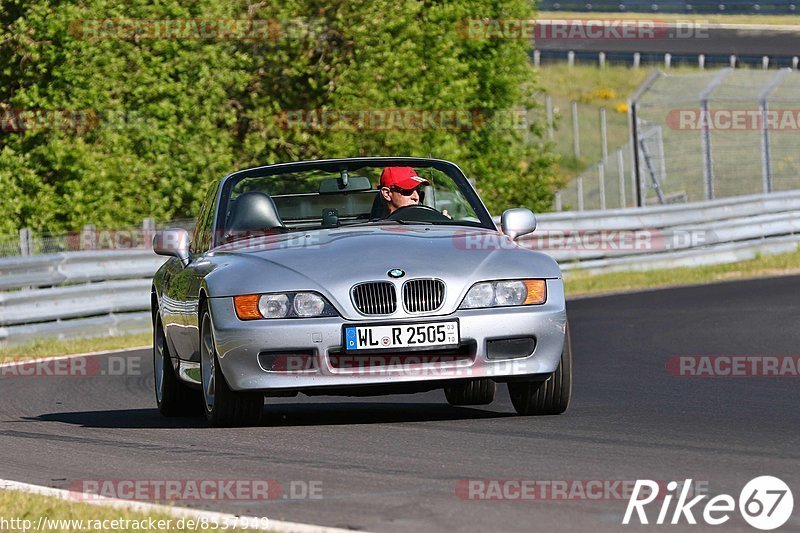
(332, 261)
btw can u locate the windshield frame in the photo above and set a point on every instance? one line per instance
(352, 164)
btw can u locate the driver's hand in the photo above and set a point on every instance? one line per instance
(445, 213)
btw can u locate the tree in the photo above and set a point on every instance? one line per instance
(149, 122)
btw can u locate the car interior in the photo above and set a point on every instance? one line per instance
(330, 201)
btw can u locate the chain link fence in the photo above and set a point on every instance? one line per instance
(725, 133)
(609, 184)
(701, 136)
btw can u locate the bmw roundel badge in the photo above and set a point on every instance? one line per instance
(396, 273)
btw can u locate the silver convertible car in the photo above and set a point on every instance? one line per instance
(361, 276)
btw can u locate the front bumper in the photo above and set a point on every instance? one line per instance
(239, 344)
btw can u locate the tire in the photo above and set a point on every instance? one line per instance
(549, 397)
(173, 397)
(223, 406)
(473, 392)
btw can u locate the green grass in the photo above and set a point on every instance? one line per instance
(52, 347)
(771, 20)
(582, 284)
(24, 506)
(593, 88)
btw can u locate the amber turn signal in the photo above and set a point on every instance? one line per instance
(537, 291)
(247, 307)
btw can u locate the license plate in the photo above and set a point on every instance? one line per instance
(409, 336)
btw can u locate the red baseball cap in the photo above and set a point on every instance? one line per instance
(401, 177)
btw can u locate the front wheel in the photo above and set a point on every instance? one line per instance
(224, 407)
(173, 397)
(549, 397)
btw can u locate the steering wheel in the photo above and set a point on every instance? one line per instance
(418, 213)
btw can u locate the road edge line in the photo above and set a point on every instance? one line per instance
(34, 359)
(177, 512)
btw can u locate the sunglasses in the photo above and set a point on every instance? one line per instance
(404, 192)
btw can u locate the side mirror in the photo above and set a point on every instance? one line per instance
(517, 222)
(173, 242)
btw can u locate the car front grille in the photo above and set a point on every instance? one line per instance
(375, 298)
(422, 295)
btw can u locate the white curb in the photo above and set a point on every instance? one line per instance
(178, 512)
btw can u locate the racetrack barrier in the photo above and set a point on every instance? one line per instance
(97, 293)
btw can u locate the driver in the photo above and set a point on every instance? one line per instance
(400, 186)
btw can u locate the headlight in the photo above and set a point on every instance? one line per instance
(480, 295)
(505, 293)
(308, 304)
(282, 305)
(273, 305)
(510, 292)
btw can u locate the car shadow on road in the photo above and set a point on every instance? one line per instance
(283, 414)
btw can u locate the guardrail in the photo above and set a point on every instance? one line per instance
(74, 294)
(697, 234)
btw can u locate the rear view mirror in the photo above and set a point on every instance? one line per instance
(344, 184)
(172, 242)
(517, 222)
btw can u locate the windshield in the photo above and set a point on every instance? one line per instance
(314, 198)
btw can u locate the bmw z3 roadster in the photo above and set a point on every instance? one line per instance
(362, 276)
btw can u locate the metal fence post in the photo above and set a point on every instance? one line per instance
(633, 126)
(548, 105)
(557, 198)
(25, 242)
(601, 178)
(662, 155)
(576, 135)
(763, 108)
(603, 135)
(621, 170)
(579, 181)
(705, 134)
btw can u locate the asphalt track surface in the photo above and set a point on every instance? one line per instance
(393, 463)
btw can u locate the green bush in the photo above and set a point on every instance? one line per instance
(155, 120)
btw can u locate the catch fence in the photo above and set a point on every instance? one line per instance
(700, 137)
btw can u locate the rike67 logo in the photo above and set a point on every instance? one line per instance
(765, 503)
